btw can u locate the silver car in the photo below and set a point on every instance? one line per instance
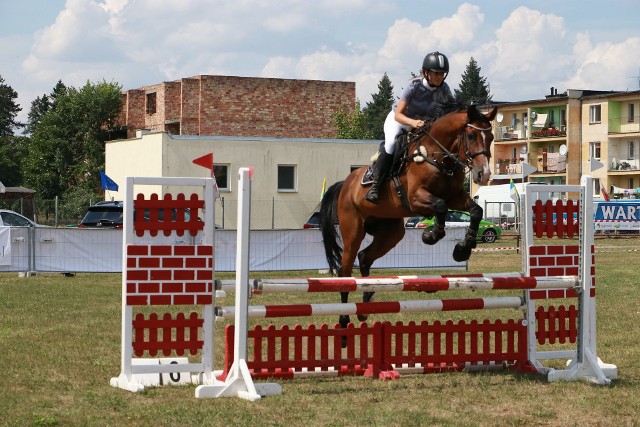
(14, 219)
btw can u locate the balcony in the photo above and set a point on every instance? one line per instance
(623, 165)
(624, 125)
(550, 132)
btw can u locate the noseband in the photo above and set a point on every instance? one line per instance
(471, 156)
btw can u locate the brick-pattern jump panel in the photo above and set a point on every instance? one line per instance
(558, 260)
(169, 275)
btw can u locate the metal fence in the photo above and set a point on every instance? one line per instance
(73, 250)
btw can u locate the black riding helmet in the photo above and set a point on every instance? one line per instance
(436, 61)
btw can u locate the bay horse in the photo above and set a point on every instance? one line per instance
(435, 164)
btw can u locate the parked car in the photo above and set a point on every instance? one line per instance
(105, 214)
(313, 221)
(14, 219)
(488, 232)
(109, 214)
(413, 221)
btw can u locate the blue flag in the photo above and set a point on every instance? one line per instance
(107, 183)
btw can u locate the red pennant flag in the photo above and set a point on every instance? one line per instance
(205, 161)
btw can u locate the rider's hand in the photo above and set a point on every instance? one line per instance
(418, 124)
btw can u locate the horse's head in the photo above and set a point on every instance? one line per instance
(476, 142)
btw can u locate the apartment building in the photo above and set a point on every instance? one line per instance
(560, 135)
(238, 106)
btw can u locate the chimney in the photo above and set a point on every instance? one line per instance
(551, 90)
(140, 132)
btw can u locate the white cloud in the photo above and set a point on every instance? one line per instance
(143, 42)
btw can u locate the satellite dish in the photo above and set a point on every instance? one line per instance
(563, 150)
(534, 115)
(523, 150)
(499, 117)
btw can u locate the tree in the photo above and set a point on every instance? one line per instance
(67, 146)
(42, 104)
(351, 124)
(10, 144)
(376, 111)
(474, 88)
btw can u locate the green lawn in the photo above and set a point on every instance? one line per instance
(60, 345)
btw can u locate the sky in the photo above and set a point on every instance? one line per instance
(523, 48)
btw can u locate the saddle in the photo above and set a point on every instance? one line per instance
(399, 160)
(400, 147)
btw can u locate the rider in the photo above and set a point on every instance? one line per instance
(417, 102)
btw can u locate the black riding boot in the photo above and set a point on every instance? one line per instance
(380, 168)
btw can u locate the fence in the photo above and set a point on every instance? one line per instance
(73, 250)
(267, 214)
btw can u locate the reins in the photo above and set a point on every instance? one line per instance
(420, 153)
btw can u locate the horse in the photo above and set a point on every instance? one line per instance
(434, 165)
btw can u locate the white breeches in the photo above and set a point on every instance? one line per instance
(391, 130)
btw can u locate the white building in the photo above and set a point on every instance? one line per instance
(288, 173)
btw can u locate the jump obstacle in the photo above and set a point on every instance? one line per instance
(382, 350)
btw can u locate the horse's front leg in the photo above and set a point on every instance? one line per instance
(462, 251)
(432, 234)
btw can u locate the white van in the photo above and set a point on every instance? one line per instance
(497, 204)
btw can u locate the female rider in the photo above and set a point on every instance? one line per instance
(417, 102)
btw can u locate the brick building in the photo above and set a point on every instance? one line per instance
(238, 106)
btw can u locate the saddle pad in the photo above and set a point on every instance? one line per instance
(367, 178)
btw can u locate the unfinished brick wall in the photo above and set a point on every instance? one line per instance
(241, 106)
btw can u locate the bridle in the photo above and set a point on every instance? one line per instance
(486, 152)
(446, 154)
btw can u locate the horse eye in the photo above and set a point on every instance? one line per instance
(471, 136)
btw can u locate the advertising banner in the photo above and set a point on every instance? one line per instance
(617, 216)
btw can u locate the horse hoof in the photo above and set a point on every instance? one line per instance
(461, 253)
(431, 235)
(363, 317)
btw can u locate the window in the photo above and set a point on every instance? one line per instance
(563, 117)
(221, 172)
(632, 150)
(552, 149)
(514, 121)
(594, 113)
(286, 178)
(151, 103)
(594, 148)
(552, 118)
(596, 186)
(631, 183)
(631, 112)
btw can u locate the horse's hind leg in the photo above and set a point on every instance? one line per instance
(352, 229)
(386, 235)
(462, 251)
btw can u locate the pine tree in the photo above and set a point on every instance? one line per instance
(376, 111)
(474, 88)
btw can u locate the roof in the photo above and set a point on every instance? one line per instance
(14, 193)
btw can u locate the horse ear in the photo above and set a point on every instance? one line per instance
(492, 113)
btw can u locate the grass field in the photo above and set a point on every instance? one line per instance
(60, 345)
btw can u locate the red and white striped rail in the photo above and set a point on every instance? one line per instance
(303, 310)
(415, 283)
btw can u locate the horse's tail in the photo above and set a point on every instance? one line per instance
(328, 220)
